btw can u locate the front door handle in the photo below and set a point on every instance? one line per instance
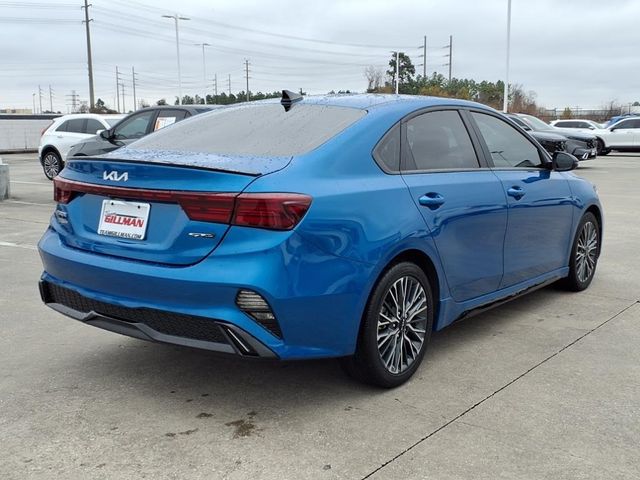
(432, 200)
(516, 192)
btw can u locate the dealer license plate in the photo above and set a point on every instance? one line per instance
(124, 219)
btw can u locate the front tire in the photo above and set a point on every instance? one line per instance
(396, 328)
(51, 164)
(584, 254)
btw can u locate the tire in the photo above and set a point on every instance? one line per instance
(584, 254)
(379, 359)
(600, 150)
(52, 164)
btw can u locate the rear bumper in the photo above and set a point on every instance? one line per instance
(153, 325)
(317, 299)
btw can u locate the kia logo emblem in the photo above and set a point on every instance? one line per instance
(115, 176)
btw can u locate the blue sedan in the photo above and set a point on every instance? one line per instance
(331, 226)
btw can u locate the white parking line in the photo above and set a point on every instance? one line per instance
(31, 183)
(17, 245)
(30, 203)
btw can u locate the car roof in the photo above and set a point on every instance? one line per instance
(189, 108)
(573, 120)
(376, 101)
(89, 115)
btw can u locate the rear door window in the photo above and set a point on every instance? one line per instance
(438, 140)
(93, 126)
(168, 117)
(62, 127)
(508, 147)
(75, 125)
(135, 126)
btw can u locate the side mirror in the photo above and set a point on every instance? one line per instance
(563, 162)
(591, 127)
(105, 134)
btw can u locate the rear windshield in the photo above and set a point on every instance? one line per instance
(254, 130)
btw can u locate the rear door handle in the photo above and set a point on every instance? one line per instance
(432, 200)
(516, 192)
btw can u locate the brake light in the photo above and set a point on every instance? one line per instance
(207, 207)
(275, 211)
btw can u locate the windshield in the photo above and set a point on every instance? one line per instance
(535, 123)
(112, 121)
(264, 130)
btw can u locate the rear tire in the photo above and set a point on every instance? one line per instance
(584, 254)
(395, 330)
(52, 164)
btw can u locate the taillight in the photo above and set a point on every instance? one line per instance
(274, 211)
(207, 207)
(277, 211)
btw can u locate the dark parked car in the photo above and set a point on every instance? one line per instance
(581, 145)
(135, 126)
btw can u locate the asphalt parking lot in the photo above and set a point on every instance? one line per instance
(547, 386)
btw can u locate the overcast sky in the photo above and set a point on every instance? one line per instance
(570, 52)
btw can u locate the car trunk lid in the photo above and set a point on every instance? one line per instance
(168, 211)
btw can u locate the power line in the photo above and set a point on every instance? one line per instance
(36, 6)
(39, 20)
(259, 31)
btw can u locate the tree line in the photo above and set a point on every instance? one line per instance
(486, 92)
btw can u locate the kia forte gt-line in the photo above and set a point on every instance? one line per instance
(332, 226)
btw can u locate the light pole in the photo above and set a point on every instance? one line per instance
(505, 102)
(176, 17)
(204, 69)
(397, 72)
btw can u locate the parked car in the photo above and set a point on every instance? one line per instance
(579, 125)
(135, 126)
(337, 226)
(551, 141)
(617, 118)
(623, 135)
(66, 131)
(581, 145)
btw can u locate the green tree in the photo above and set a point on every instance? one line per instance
(405, 73)
(186, 100)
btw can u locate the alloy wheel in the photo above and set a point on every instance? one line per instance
(586, 252)
(51, 165)
(402, 323)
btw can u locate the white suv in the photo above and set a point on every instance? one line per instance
(622, 135)
(64, 133)
(578, 125)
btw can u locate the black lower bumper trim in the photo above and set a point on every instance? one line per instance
(154, 325)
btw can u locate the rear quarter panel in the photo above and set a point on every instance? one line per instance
(358, 212)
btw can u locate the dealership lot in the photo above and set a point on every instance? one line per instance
(547, 386)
